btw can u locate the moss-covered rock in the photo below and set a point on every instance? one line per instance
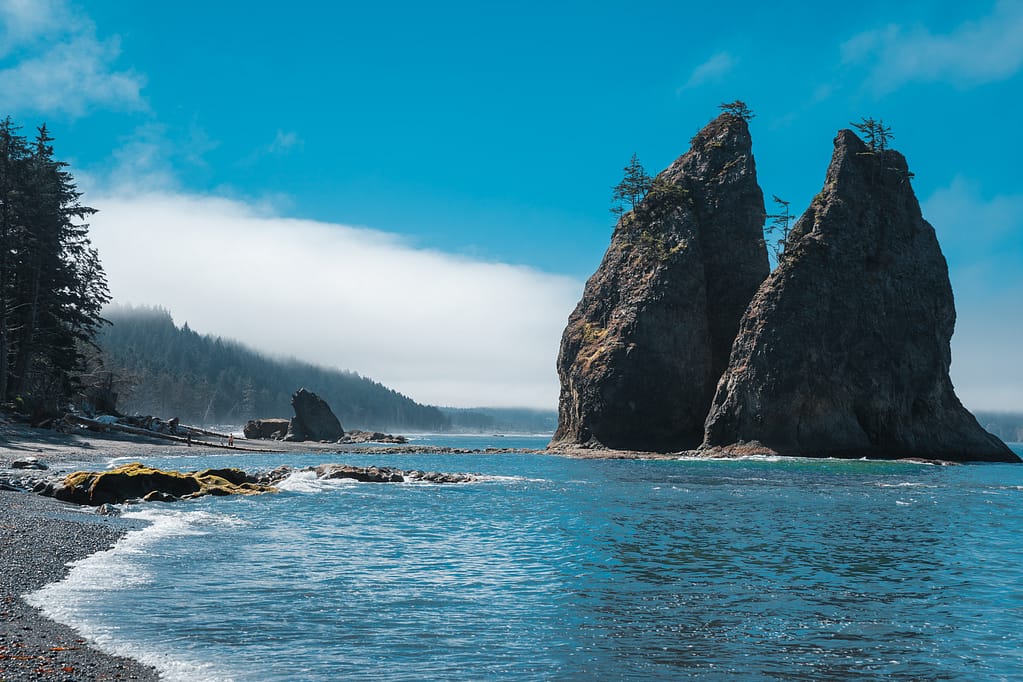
(137, 481)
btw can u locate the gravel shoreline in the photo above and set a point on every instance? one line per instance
(38, 537)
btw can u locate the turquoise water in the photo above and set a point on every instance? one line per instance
(563, 569)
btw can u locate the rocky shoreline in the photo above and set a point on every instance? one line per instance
(38, 538)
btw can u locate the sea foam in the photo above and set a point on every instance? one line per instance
(76, 601)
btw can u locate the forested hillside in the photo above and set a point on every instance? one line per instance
(166, 370)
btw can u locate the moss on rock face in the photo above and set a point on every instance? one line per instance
(137, 481)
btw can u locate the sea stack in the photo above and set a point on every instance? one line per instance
(643, 350)
(844, 350)
(313, 420)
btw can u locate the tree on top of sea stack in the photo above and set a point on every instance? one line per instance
(844, 351)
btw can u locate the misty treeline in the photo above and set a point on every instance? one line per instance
(1006, 425)
(52, 287)
(501, 419)
(161, 369)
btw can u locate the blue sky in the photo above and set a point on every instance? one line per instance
(476, 144)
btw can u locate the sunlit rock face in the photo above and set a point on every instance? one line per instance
(844, 350)
(644, 348)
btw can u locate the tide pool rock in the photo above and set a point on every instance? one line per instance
(137, 481)
(844, 350)
(643, 350)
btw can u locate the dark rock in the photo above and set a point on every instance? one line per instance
(29, 463)
(159, 496)
(364, 474)
(266, 429)
(108, 510)
(313, 419)
(844, 350)
(275, 476)
(388, 475)
(643, 350)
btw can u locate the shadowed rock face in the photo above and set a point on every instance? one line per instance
(313, 419)
(844, 350)
(644, 348)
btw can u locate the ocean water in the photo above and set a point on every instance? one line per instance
(560, 569)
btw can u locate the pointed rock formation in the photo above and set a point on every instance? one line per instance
(644, 348)
(844, 350)
(313, 419)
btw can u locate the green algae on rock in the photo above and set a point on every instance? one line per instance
(137, 481)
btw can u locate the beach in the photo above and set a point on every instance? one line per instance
(40, 536)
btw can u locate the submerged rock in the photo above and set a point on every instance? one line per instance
(643, 350)
(136, 481)
(313, 419)
(844, 350)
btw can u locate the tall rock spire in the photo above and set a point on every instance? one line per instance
(643, 350)
(844, 350)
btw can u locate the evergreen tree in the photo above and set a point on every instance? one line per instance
(738, 109)
(633, 187)
(779, 225)
(52, 286)
(875, 133)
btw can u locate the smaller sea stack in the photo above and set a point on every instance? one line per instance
(844, 350)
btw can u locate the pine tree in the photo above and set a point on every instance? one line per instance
(52, 286)
(738, 109)
(875, 133)
(633, 187)
(780, 225)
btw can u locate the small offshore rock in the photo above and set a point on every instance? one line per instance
(355, 437)
(388, 475)
(108, 510)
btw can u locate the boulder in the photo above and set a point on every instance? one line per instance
(136, 481)
(642, 352)
(29, 463)
(266, 428)
(313, 419)
(844, 350)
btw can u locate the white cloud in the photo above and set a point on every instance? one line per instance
(440, 328)
(976, 52)
(980, 239)
(284, 142)
(59, 65)
(713, 69)
(24, 21)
